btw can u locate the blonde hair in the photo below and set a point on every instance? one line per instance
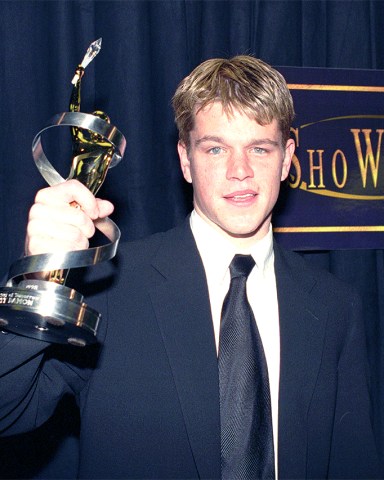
(242, 82)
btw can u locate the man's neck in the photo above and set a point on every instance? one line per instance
(240, 242)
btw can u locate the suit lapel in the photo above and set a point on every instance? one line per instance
(182, 308)
(302, 330)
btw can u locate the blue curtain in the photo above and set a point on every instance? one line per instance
(148, 47)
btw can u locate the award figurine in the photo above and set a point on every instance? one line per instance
(48, 309)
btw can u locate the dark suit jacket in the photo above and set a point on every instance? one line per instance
(149, 398)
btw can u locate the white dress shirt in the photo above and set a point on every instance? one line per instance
(217, 252)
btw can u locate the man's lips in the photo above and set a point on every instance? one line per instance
(242, 195)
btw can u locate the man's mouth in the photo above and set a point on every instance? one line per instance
(245, 195)
(241, 195)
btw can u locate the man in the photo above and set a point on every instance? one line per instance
(151, 397)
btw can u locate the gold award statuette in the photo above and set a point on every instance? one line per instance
(48, 309)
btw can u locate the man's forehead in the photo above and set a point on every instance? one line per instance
(217, 105)
(208, 126)
(217, 108)
(216, 114)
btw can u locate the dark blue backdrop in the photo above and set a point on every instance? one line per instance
(148, 46)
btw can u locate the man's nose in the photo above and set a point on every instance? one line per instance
(239, 167)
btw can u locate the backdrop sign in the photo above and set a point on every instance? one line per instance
(334, 197)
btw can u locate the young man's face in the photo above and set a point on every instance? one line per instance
(235, 166)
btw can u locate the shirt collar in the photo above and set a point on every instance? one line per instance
(217, 251)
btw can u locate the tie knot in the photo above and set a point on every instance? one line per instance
(241, 266)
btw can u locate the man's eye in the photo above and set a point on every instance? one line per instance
(258, 150)
(215, 150)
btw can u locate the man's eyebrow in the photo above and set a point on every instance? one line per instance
(256, 141)
(208, 138)
(264, 141)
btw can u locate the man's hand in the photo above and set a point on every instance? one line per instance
(54, 225)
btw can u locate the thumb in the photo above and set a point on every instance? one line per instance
(105, 207)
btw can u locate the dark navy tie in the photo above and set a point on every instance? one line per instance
(245, 399)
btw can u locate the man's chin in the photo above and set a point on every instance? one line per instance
(247, 232)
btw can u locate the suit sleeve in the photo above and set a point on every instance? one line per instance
(354, 453)
(34, 375)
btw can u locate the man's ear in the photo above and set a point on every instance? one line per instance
(288, 154)
(185, 164)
